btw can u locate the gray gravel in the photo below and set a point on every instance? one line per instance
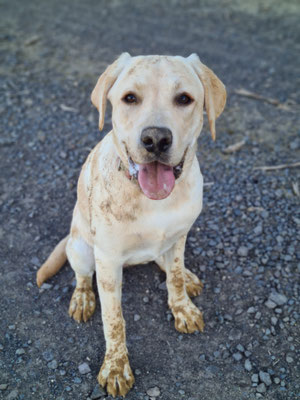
(244, 246)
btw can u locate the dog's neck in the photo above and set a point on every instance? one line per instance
(123, 168)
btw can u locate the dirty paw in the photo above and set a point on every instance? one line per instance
(192, 283)
(188, 318)
(82, 305)
(116, 375)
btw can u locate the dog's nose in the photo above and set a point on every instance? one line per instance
(156, 139)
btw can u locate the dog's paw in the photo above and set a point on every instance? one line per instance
(188, 318)
(82, 304)
(116, 375)
(193, 284)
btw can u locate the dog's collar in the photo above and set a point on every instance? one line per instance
(122, 167)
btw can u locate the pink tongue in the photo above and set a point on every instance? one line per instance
(156, 180)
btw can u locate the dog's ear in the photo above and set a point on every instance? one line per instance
(105, 83)
(214, 91)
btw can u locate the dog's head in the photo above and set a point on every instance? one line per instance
(157, 114)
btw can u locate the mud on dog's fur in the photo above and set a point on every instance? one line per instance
(139, 192)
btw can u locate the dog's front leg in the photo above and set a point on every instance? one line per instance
(188, 318)
(115, 372)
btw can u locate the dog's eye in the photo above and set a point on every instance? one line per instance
(183, 99)
(130, 98)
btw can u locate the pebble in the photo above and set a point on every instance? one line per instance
(19, 352)
(84, 368)
(52, 364)
(261, 388)
(254, 378)
(265, 378)
(13, 395)
(237, 356)
(240, 348)
(289, 359)
(153, 392)
(136, 317)
(235, 334)
(270, 304)
(248, 365)
(251, 310)
(97, 392)
(278, 298)
(243, 251)
(274, 321)
(3, 386)
(46, 286)
(48, 355)
(146, 299)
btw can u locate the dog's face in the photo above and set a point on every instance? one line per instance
(158, 114)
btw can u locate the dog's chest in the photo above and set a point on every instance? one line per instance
(141, 231)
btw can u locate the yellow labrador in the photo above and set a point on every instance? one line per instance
(139, 192)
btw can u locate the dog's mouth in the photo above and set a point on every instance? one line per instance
(156, 179)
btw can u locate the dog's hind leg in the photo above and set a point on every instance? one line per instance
(81, 258)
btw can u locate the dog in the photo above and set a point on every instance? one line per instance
(139, 192)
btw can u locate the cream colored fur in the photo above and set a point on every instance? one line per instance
(114, 224)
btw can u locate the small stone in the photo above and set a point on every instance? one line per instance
(258, 230)
(52, 364)
(13, 395)
(261, 388)
(3, 386)
(235, 334)
(97, 392)
(1, 347)
(153, 392)
(274, 321)
(77, 380)
(146, 299)
(182, 392)
(136, 317)
(289, 359)
(84, 368)
(265, 378)
(11, 327)
(276, 381)
(237, 356)
(46, 286)
(251, 310)
(240, 348)
(41, 136)
(278, 298)
(68, 389)
(243, 251)
(163, 286)
(270, 304)
(137, 372)
(257, 315)
(63, 155)
(48, 355)
(19, 352)
(248, 365)
(254, 378)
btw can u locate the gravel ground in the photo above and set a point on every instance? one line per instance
(244, 246)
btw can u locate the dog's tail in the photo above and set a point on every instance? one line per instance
(53, 263)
